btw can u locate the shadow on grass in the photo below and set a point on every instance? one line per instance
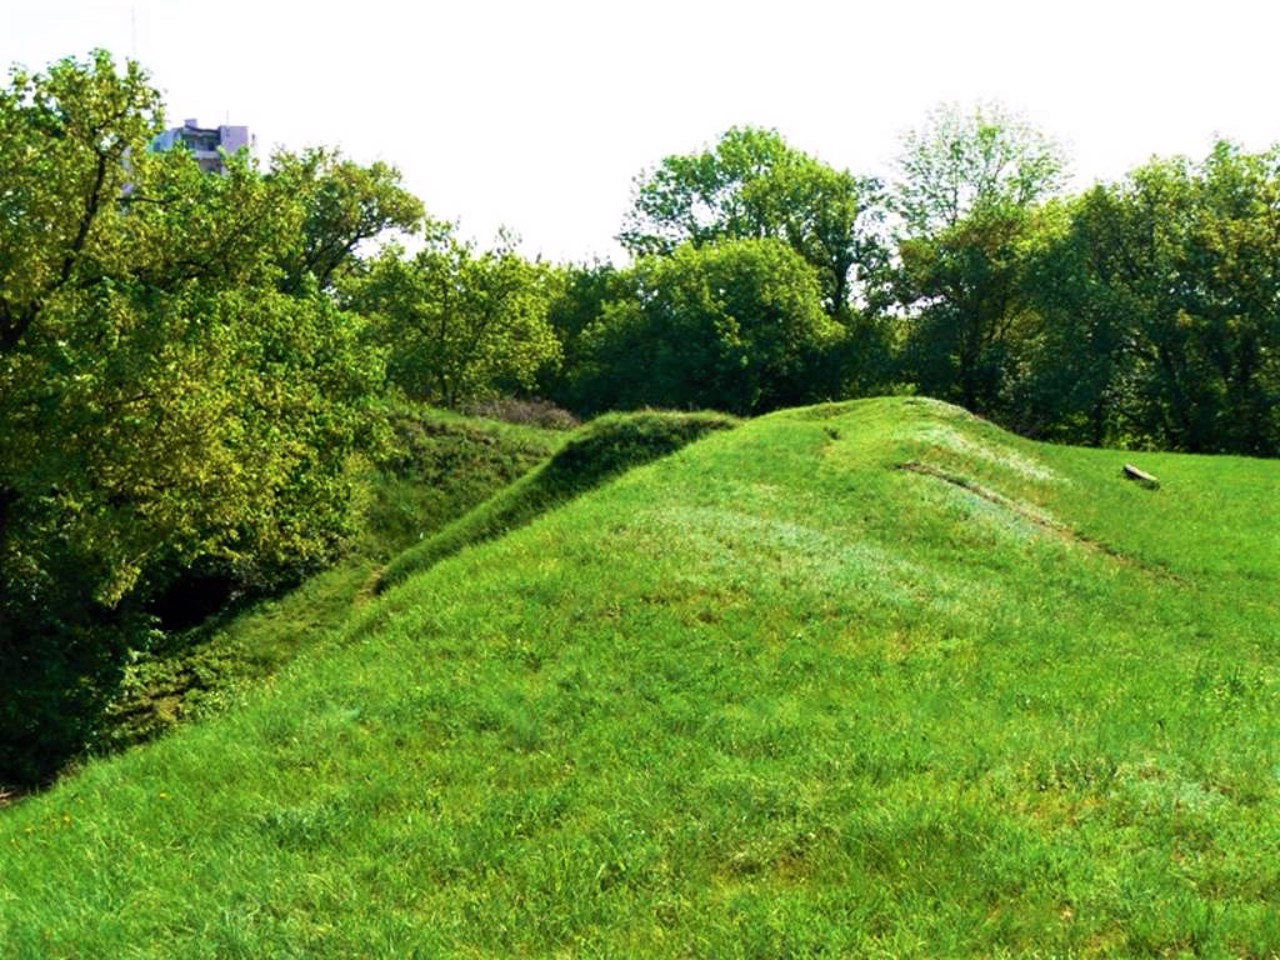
(598, 452)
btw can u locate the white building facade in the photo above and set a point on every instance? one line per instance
(209, 144)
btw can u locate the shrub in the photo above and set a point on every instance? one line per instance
(525, 412)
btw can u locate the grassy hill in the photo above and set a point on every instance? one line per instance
(870, 679)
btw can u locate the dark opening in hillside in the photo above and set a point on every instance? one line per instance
(193, 598)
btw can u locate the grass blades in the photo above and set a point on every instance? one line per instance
(442, 465)
(772, 695)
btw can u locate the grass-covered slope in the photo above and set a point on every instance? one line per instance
(863, 680)
(606, 447)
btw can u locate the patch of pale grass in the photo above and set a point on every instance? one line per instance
(996, 455)
(732, 544)
(1012, 519)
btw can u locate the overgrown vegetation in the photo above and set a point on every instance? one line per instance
(774, 694)
(180, 413)
(438, 467)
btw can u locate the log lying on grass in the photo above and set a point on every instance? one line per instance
(1141, 476)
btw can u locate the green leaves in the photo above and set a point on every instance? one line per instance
(966, 202)
(1175, 270)
(345, 206)
(459, 325)
(175, 389)
(64, 138)
(961, 164)
(753, 185)
(735, 325)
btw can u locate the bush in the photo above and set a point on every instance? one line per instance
(736, 326)
(525, 412)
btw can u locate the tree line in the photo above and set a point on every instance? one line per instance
(195, 369)
(1140, 313)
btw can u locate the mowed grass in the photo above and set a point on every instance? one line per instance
(871, 679)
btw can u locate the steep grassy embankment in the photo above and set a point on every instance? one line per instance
(869, 679)
(606, 447)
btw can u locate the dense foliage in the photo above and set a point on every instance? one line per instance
(1144, 313)
(736, 325)
(1159, 307)
(458, 325)
(753, 186)
(192, 366)
(179, 403)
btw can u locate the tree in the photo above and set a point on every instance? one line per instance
(964, 292)
(1235, 254)
(1075, 355)
(1167, 304)
(459, 325)
(64, 138)
(958, 164)
(346, 205)
(966, 200)
(580, 293)
(736, 325)
(753, 185)
(163, 404)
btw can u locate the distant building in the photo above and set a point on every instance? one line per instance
(207, 143)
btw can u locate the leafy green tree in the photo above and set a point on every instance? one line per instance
(1235, 253)
(963, 290)
(960, 163)
(1166, 304)
(580, 294)
(967, 200)
(713, 195)
(64, 138)
(1076, 350)
(346, 205)
(459, 325)
(753, 185)
(736, 325)
(163, 403)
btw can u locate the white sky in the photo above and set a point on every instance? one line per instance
(538, 114)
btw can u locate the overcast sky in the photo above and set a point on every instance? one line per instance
(538, 114)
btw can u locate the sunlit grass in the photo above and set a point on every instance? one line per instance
(592, 455)
(774, 695)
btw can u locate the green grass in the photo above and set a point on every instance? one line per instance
(871, 679)
(606, 447)
(443, 466)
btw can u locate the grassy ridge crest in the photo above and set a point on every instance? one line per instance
(440, 466)
(604, 448)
